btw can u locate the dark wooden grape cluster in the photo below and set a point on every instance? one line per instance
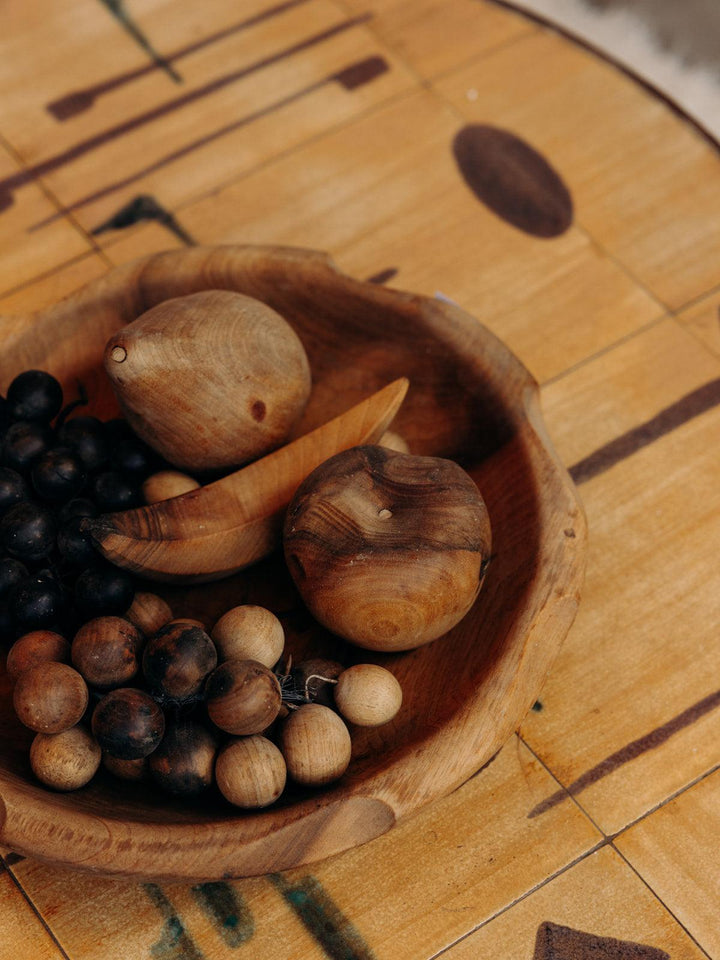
(57, 467)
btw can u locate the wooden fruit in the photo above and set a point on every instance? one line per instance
(314, 679)
(128, 724)
(183, 764)
(388, 550)
(105, 651)
(470, 400)
(243, 697)
(250, 772)
(176, 661)
(148, 612)
(50, 697)
(210, 380)
(229, 524)
(316, 745)
(167, 484)
(33, 648)
(367, 695)
(66, 760)
(249, 632)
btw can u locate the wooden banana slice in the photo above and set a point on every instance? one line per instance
(209, 533)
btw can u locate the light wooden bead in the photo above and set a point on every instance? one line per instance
(149, 613)
(316, 745)
(367, 695)
(250, 772)
(393, 441)
(50, 697)
(166, 484)
(65, 761)
(38, 646)
(249, 632)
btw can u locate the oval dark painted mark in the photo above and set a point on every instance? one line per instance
(555, 942)
(258, 410)
(362, 72)
(323, 918)
(228, 911)
(513, 180)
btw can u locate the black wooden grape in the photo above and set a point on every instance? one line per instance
(24, 443)
(111, 491)
(75, 545)
(13, 488)
(103, 590)
(27, 531)
(77, 507)
(58, 474)
(87, 437)
(12, 572)
(36, 602)
(35, 395)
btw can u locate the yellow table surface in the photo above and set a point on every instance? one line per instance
(132, 127)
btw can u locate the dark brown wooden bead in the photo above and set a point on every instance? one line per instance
(33, 648)
(128, 724)
(183, 764)
(105, 651)
(243, 697)
(177, 660)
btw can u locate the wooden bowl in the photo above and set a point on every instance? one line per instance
(470, 399)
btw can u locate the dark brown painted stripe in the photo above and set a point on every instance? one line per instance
(142, 208)
(383, 276)
(513, 180)
(556, 942)
(9, 184)
(650, 741)
(678, 413)
(79, 100)
(13, 858)
(349, 78)
(118, 10)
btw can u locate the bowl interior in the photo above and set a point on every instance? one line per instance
(469, 400)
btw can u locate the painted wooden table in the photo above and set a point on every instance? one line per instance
(453, 147)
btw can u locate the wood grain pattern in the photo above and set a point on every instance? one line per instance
(367, 173)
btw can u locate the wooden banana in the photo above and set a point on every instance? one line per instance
(218, 529)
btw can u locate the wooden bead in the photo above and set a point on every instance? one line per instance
(177, 660)
(183, 764)
(38, 646)
(50, 697)
(314, 678)
(367, 695)
(393, 441)
(66, 760)
(166, 484)
(249, 632)
(190, 620)
(132, 770)
(128, 724)
(250, 772)
(105, 651)
(316, 745)
(388, 550)
(148, 612)
(243, 697)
